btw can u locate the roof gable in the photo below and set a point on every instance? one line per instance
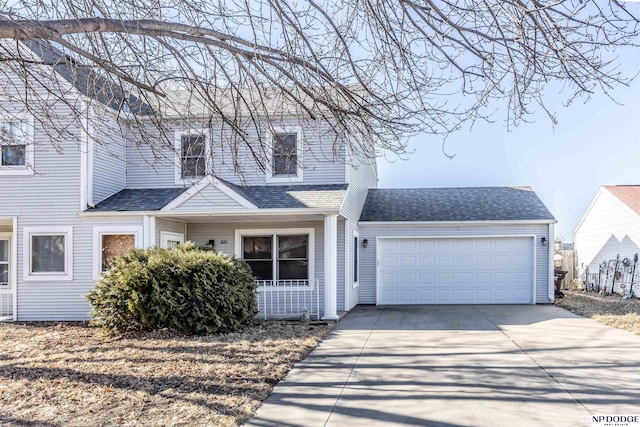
(211, 194)
(627, 194)
(455, 205)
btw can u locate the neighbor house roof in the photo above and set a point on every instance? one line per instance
(264, 197)
(454, 204)
(627, 194)
(86, 80)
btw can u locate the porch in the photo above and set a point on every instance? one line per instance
(295, 261)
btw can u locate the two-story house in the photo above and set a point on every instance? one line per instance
(315, 229)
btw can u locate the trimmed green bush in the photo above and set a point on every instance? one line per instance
(183, 288)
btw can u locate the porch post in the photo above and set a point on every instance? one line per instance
(330, 266)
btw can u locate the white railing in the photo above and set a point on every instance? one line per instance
(6, 301)
(288, 298)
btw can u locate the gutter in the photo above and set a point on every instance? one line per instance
(436, 223)
(209, 214)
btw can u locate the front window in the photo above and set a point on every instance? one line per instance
(277, 257)
(114, 245)
(48, 253)
(192, 156)
(285, 154)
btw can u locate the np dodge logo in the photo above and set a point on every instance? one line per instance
(615, 421)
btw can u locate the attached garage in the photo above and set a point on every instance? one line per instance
(472, 270)
(456, 246)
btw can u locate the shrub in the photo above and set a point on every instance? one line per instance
(184, 288)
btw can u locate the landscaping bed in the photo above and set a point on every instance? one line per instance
(74, 375)
(612, 311)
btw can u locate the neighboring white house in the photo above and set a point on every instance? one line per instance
(318, 236)
(610, 227)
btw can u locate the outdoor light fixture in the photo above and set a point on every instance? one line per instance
(544, 241)
(211, 242)
(365, 243)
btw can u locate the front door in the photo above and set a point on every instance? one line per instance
(6, 299)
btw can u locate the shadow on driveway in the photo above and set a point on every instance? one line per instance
(460, 366)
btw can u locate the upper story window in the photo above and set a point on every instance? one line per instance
(16, 147)
(286, 155)
(191, 156)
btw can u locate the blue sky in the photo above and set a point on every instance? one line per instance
(594, 143)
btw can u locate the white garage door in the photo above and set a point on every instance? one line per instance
(455, 271)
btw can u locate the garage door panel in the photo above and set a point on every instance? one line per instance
(465, 278)
(427, 296)
(445, 296)
(464, 295)
(427, 278)
(408, 278)
(455, 271)
(464, 261)
(483, 261)
(427, 261)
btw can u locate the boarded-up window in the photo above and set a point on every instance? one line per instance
(114, 245)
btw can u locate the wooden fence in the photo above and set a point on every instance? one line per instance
(570, 265)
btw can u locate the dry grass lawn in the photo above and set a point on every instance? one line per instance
(72, 375)
(621, 314)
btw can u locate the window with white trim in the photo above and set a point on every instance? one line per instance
(279, 257)
(48, 253)
(112, 241)
(286, 155)
(16, 146)
(170, 239)
(192, 150)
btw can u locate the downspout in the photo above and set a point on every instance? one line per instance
(89, 154)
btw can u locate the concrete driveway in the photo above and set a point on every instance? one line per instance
(460, 366)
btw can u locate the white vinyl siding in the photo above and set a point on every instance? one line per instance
(147, 168)
(367, 286)
(108, 165)
(210, 199)
(361, 177)
(609, 228)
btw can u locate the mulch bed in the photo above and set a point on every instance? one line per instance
(55, 374)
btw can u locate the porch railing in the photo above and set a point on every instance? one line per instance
(6, 301)
(288, 298)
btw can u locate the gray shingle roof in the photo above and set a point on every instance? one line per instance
(454, 204)
(297, 196)
(145, 199)
(265, 197)
(87, 81)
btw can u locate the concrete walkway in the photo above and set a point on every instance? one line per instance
(460, 366)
